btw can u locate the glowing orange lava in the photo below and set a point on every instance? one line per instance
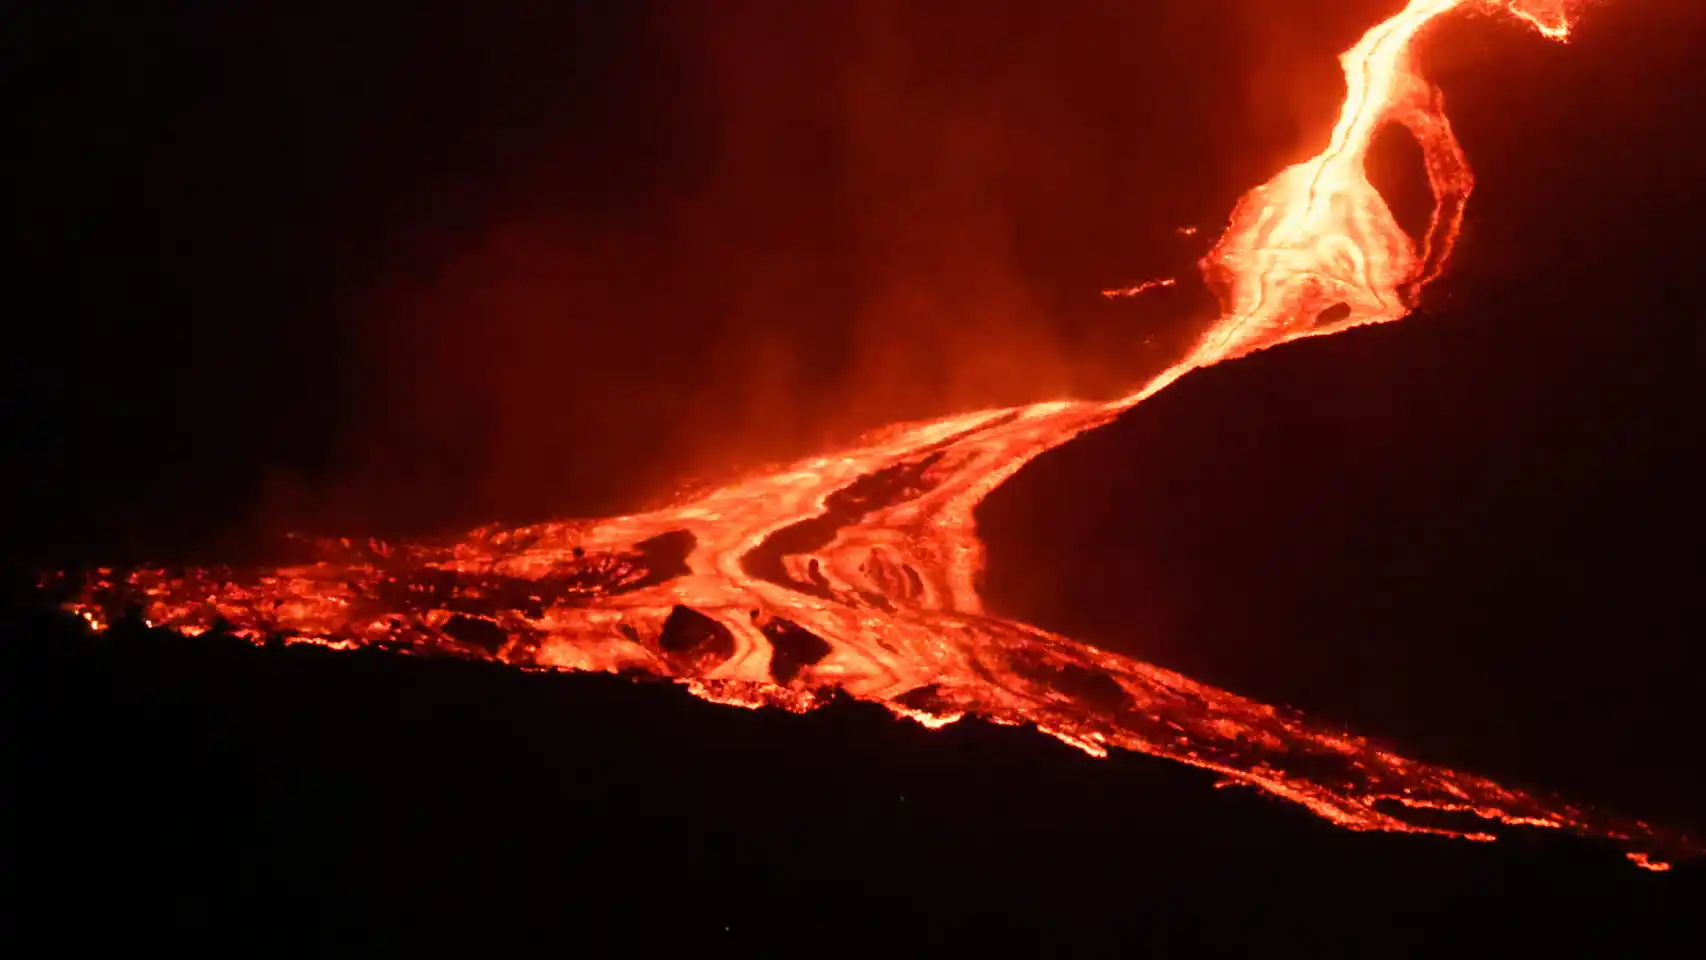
(857, 571)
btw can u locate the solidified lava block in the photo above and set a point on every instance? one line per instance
(665, 556)
(1333, 314)
(689, 634)
(793, 648)
(1095, 689)
(476, 632)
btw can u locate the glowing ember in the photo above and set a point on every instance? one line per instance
(856, 571)
(1143, 287)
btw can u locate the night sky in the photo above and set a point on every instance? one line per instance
(410, 267)
(416, 266)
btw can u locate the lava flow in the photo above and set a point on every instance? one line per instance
(857, 572)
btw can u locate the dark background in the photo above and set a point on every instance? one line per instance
(403, 268)
(423, 265)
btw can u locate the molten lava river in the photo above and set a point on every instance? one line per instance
(857, 571)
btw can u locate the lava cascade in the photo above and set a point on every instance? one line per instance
(855, 573)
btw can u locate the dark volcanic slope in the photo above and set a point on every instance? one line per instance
(195, 789)
(1476, 531)
(1497, 572)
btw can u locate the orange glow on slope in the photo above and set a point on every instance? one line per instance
(857, 571)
